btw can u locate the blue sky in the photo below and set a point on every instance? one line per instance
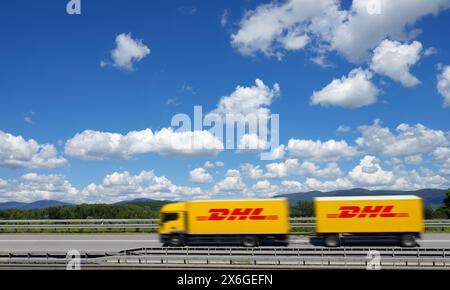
(384, 78)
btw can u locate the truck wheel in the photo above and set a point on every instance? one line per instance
(249, 241)
(176, 241)
(332, 240)
(408, 240)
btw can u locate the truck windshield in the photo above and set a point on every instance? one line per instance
(166, 217)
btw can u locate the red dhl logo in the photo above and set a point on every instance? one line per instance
(220, 214)
(384, 211)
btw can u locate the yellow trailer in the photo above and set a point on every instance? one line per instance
(248, 222)
(401, 216)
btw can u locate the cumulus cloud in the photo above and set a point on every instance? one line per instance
(252, 171)
(443, 85)
(127, 52)
(210, 164)
(200, 175)
(95, 145)
(352, 91)
(361, 31)
(441, 153)
(231, 184)
(292, 167)
(393, 59)
(430, 51)
(33, 186)
(352, 32)
(327, 185)
(16, 152)
(408, 140)
(246, 101)
(278, 152)
(119, 186)
(330, 150)
(252, 142)
(274, 25)
(370, 173)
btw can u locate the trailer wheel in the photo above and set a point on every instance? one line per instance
(176, 241)
(408, 240)
(332, 240)
(249, 241)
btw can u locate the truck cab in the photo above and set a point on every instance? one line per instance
(172, 225)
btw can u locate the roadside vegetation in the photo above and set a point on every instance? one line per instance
(150, 210)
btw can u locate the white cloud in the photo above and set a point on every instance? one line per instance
(252, 143)
(329, 185)
(251, 171)
(352, 33)
(32, 187)
(361, 31)
(272, 26)
(16, 152)
(200, 175)
(294, 40)
(409, 140)
(121, 186)
(261, 185)
(393, 59)
(291, 186)
(94, 145)
(330, 150)
(292, 167)
(231, 184)
(441, 153)
(354, 91)
(343, 129)
(443, 85)
(278, 152)
(370, 173)
(210, 164)
(219, 164)
(224, 17)
(430, 51)
(246, 101)
(445, 170)
(127, 51)
(414, 159)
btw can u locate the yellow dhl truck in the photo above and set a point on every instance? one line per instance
(247, 222)
(398, 216)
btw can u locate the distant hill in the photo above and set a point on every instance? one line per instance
(32, 205)
(431, 197)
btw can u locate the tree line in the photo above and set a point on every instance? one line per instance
(139, 210)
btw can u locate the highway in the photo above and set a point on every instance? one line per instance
(119, 242)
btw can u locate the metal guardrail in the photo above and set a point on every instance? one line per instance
(143, 224)
(238, 256)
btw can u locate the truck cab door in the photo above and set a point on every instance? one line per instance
(172, 222)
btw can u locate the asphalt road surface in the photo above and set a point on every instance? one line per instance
(118, 242)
